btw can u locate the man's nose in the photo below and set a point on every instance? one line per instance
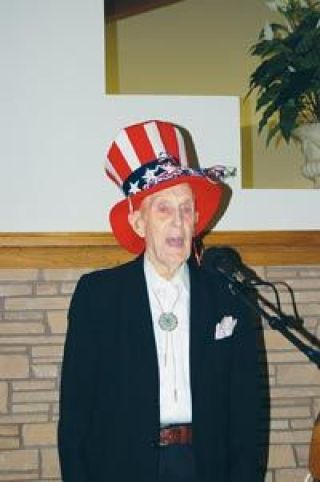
(178, 217)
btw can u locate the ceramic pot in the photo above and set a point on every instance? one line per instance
(309, 137)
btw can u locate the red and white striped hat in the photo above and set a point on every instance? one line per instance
(151, 156)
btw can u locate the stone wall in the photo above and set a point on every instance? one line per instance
(33, 307)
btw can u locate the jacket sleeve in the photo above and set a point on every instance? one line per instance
(244, 401)
(79, 371)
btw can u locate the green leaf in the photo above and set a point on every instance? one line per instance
(270, 94)
(270, 70)
(268, 48)
(288, 115)
(272, 132)
(270, 110)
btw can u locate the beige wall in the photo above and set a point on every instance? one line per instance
(33, 311)
(201, 47)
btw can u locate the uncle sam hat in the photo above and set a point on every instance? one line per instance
(151, 156)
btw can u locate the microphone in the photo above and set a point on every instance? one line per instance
(241, 278)
(227, 261)
(242, 282)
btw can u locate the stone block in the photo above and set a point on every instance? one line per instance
(67, 288)
(279, 273)
(281, 456)
(40, 303)
(45, 371)
(291, 402)
(18, 274)
(302, 452)
(39, 434)
(275, 341)
(287, 356)
(316, 407)
(19, 460)
(279, 424)
(294, 374)
(46, 288)
(295, 392)
(269, 476)
(57, 321)
(23, 316)
(14, 366)
(33, 385)
(290, 437)
(303, 283)
(63, 274)
(35, 396)
(33, 340)
(17, 328)
(48, 351)
(23, 418)
(301, 423)
(30, 407)
(309, 309)
(290, 475)
(8, 430)
(12, 349)
(21, 476)
(290, 412)
(15, 289)
(3, 397)
(50, 463)
(9, 443)
(55, 408)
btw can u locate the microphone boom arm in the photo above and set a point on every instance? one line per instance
(276, 322)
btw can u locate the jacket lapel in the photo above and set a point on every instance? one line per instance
(197, 324)
(140, 325)
(203, 319)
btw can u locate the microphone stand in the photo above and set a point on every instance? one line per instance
(284, 324)
(279, 321)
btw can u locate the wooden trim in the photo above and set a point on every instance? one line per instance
(65, 250)
(119, 9)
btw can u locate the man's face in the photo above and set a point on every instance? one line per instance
(166, 221)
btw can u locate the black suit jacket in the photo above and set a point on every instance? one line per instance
(109, 405)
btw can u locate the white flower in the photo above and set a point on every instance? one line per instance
(318, 23)
(277, 5)
(272, 5)
(291, 69)
(267, 31)
(303, 4)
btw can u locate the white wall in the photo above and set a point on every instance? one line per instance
(56, 123)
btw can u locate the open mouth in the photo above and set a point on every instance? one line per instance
(175, 242)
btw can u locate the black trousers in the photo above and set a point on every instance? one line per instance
(176, 464)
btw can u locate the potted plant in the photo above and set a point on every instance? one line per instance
(287, 81)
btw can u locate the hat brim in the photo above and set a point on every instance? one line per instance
(207, 195)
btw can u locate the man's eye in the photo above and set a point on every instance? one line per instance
(163, 208)
(187, 209)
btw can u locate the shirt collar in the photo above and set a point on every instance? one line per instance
(180, 278)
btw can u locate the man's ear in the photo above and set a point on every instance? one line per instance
(137, 223)
(196, 218)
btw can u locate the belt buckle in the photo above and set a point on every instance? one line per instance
(163, 443)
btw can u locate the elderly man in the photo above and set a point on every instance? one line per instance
(159, 378)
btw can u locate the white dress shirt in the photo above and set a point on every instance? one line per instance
(172, 347)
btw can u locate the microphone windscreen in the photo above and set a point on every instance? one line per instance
(221, 258)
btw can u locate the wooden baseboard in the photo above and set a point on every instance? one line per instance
(65, 250)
